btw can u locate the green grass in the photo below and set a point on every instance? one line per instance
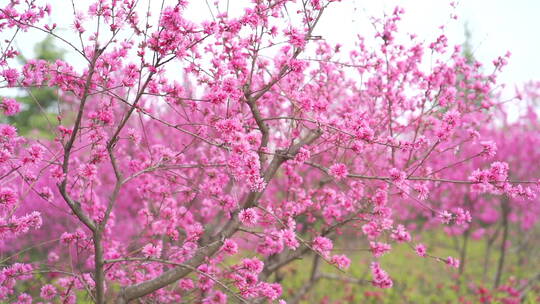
(416, 279)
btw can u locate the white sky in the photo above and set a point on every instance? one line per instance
(496, 26)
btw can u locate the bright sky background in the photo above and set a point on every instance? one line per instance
(497, 26)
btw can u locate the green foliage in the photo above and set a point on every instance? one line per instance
(47, 50)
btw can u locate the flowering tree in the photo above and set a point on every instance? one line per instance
(195, 159)
(495, 214)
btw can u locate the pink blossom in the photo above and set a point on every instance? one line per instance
(65, 131)
(372, 230)
(297, 38)
(302, 156)
(450, 121)
(229, 247)
(253, 265)
(498, 172)
(380, 198)
(452, 262)
(341, 261)
(48, 292)
(10, 106)
(289, 238)
(380, 277)
(446, 217)
(378, 249)
(489, 148)
(24, 298)
(8, 131)
(186, 284)
(338, 171)
(462, 216)
(11, 76)
(57, 174)
(248, 217)
(421, 250)
(322, 245)
(271, 291)
(36, 152)
(400, 235)
(217, 297)
(397, 176)
(8, 197)
(88, 171)
(151, 250)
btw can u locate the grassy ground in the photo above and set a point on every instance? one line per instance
(416, 279)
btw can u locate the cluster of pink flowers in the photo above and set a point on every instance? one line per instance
(339, 171)
(452, 262)
(380, 277)
(248, 217)
(10, 106)
(421, 250)
(378, 248)
(322, 245)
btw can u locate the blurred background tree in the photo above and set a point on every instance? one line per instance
(39, 105)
